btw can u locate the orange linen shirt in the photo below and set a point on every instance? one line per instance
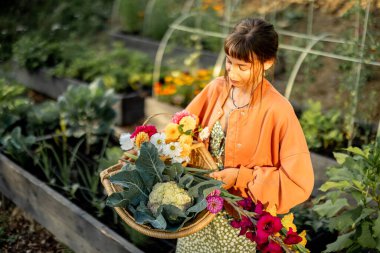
(265, 141)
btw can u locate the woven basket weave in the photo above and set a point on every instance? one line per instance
(201, 158)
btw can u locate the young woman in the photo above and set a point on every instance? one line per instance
(255, 137)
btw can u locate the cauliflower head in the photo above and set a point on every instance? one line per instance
(168, 193)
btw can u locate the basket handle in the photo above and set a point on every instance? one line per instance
(154, 115)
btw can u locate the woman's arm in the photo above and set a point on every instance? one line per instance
(285, 185)
(291, 181)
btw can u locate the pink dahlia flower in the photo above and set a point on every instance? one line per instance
(179, 115)
(214, 204)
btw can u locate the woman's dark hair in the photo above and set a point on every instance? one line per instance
(252, 39)
(252, 35)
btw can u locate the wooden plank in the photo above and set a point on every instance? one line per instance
(41, 81)
(70, 224)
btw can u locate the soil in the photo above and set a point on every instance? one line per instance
(20, 233)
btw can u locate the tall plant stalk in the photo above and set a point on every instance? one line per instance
(355, 91)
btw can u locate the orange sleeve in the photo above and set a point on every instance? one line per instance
(290, 183)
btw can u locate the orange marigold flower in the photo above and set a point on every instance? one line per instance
(141, 138)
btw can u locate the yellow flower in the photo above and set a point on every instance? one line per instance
(141, 138)
(178, 81)
(185, 139)
(168, 79)
(188, 123)
(303, 236)
(202, 72)
(186, 150)
(272, 210)
(172, 132)
(188, 80)
(287, 222)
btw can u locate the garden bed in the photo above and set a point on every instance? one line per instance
(70, 224)
(129, 108)
(40, 81)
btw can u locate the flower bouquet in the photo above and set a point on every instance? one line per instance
(156, 192)
(261, 225)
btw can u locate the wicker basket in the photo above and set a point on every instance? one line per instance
(199, 157)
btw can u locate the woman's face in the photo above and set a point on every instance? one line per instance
(243, 74)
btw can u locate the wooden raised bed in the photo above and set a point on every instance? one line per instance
(40, 81)
(70, 224)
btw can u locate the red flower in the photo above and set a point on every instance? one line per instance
(292, 237)
(244, 224)
(272, 247)
(269, 224)
(247, 204)
(251, 236)
(235, 224)
(259, 209)
(261, 237)
(149, 129)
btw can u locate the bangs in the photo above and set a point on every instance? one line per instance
(239, 48)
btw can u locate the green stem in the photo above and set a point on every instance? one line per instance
(129, 155)
(190, 169)
(279, 241)
(229, 195)
(241, 211)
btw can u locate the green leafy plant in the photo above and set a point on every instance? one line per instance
(58, 165)
(13, 105)
(121, 69)
(34, 52)
(15, 143)
(89, 176)
(321, 129)
(352, 200)
(43, 116)
(87, 110)
(318, 233)
(139, 180)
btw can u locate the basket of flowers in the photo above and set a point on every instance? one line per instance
(161, 192)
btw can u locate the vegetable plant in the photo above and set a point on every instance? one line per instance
(352, 200)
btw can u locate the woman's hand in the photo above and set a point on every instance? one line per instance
(228, 176)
